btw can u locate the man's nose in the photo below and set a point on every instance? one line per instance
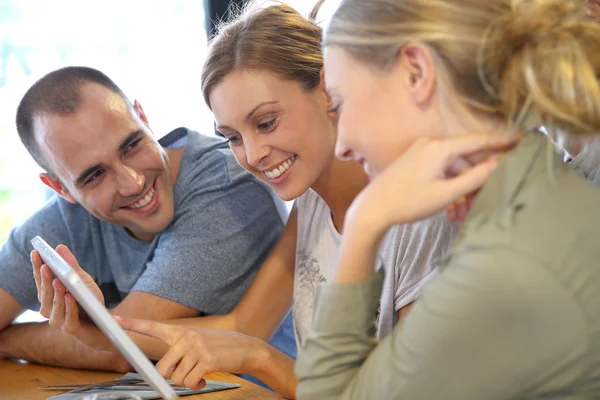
(130, 181)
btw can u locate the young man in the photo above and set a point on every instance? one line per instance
(167, 229)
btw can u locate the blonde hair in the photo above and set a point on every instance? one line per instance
(529, 63)
(273, 37)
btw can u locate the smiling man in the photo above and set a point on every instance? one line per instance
(167, 229)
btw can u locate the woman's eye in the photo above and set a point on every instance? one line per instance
(264, 126)
(234, 139)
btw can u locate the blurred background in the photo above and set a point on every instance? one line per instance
(153, 49)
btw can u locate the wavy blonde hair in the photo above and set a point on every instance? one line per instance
(529, 63)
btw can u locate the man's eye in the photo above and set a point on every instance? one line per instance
(132, 146)
(94, 176)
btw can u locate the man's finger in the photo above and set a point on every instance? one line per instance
(65, 253)
(71, 323)
(46, 290)
(57, 315)
(168, 333)
(36, 263)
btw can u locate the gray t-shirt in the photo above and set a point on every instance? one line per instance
(409, 253)
(225, 223)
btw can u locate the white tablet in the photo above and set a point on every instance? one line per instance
(103, 319)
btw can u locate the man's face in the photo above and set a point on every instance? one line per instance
(106, 159)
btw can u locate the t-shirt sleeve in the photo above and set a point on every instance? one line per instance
(481, 330)
(219, 238)
(423, 244)
(16, 272)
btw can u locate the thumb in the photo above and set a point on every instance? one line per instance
(65, 253)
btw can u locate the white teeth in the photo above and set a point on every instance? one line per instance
(284, 166)
(141, 203)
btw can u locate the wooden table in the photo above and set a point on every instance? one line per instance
(20, 381)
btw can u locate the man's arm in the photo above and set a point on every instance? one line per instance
(260, 311)
(39, 342)
(9, 311)
(33, 342)
(258, 314)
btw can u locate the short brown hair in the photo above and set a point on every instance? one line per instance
(58, 92)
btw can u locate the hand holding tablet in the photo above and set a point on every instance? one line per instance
(91, 303)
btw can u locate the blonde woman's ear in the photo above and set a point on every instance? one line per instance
(419, 71)
(322, 87)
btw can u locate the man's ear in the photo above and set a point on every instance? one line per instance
(419, 72)
(140, 112)
(55, 185)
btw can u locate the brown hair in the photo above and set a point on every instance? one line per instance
(58, 92)
(274, 37)
(529, 63)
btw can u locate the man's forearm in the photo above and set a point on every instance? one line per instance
(38, 342)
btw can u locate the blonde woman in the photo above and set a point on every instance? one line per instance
(514, 311)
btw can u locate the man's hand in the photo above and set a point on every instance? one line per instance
(60, 307)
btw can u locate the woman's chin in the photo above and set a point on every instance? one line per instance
(289, 193)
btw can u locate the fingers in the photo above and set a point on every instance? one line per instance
(36, 262)
(181, 369)
(195, 379)
(181, 357)
(46, 291)
(190, 371)
(71, 320)
(168, 333)
(470, 180)
(57, 313)
(468, 144)
(66, 254)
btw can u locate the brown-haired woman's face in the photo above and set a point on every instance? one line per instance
(277, 130)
